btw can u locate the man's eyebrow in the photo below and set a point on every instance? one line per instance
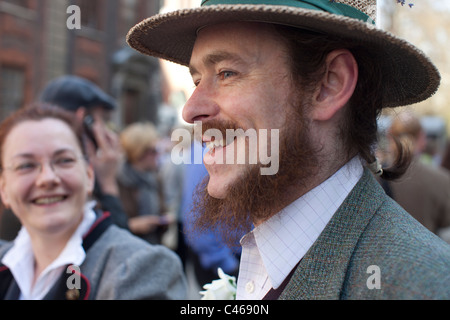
(216, 57)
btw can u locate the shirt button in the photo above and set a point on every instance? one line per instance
(72, 294)
(250, 287)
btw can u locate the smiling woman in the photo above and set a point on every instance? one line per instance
(45, 184)
(46, 180)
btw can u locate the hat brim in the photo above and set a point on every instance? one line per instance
(408, 75)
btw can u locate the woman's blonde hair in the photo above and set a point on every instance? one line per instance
(137, 138)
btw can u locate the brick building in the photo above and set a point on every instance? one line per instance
(36, 45)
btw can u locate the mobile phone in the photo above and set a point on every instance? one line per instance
(88, 122)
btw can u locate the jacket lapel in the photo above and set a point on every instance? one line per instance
(8, 288)
(60, 290)
(322, 271)
(10, 291)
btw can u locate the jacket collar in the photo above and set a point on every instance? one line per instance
(10, 291)
(322, 271)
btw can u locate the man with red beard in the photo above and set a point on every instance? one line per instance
(317, 73)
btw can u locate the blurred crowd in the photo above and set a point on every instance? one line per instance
(424, 191)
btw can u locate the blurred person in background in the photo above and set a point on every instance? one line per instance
(47, 181)
(445, 233)
(172, 176)
(206, 249)
(424, 190)
(141, 187)
(445, 163)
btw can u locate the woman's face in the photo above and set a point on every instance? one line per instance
(45, 180)
(149, 159)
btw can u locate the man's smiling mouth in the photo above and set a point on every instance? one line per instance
(218, 143)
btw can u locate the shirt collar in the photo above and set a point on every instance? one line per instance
(285, 238)
(20, 258)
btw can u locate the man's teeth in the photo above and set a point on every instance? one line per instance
(49, 200)
(216, 143)
(219, 143)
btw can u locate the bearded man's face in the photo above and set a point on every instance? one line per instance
(242, 82)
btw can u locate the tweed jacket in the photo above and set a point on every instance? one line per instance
(370, 233)
(118, 266)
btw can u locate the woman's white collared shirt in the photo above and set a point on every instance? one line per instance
(20, 259)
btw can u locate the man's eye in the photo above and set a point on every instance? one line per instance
(196, 80)
(226, 74)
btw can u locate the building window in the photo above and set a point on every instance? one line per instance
(24, 9)
(90, 13)
(21, 3)
(130, 100)
(12, 83)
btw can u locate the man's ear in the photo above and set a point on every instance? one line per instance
(337, 85)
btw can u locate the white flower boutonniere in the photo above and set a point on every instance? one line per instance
(221, 289)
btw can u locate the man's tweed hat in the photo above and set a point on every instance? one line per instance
(408, 75)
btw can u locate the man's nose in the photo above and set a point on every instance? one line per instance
(201, 106)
